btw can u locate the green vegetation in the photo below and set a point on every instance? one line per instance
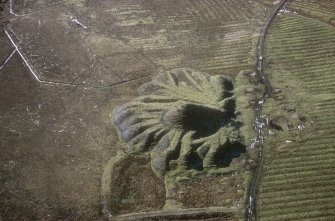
(298, 179)
(191, 123)
(322, 10)
(185, 118)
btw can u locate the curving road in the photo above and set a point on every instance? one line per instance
(252, 196)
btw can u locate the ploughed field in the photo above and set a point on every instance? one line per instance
(298, 181)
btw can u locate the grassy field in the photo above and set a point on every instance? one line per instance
(213, 36)
(298, 179)
(322, 10)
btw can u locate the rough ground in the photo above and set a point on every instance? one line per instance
(86, 58)
(55, 132)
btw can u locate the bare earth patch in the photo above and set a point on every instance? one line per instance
(207, 191)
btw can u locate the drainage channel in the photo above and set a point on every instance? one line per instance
(252, 195)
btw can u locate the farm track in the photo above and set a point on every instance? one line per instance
(253, 190)
(298, 183)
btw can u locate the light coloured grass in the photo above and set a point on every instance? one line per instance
(298, 179)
